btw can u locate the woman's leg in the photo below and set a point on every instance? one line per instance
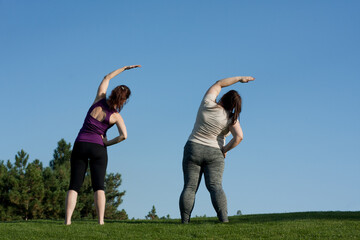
(192, 177)
(70, 204)
(213, 171)
(98, 164)
(100, 201)
(79, 164)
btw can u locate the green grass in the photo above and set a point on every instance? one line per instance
(305, 225)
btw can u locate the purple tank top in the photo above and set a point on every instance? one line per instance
(92, 128)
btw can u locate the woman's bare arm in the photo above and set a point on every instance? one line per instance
(120, 124)
(238, 136)
(216, 88)
(101, 92)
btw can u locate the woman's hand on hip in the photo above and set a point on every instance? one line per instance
(105, 141)
(224, 153)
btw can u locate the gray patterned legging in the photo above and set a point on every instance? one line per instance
(199, 159)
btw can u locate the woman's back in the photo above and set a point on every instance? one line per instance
(204, 152)
(212, 123)
(93, 128)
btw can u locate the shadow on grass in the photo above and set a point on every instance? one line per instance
(42, 221)
(142, 221)
(257, 218)
(260, 218)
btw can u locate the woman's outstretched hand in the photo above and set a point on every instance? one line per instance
(131, 67)
(120, 70)
(246, 79)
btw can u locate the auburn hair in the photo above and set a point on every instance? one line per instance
(231, 102)
(119, 97)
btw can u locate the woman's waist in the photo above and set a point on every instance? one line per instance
(89, 137)
(211, 141)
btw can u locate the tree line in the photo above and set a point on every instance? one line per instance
(28, 190)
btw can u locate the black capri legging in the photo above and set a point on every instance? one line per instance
(81, 153)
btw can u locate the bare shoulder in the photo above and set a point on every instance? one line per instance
(115, 117)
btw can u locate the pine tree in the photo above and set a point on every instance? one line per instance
(35, 184)
(52, 199)
(57, 179)
(18, 194)
(4, 201)
(114, 197)
(9, 209)
(152, 214)
(19, 189)
(62, 155)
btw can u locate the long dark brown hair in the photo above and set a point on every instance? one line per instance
(119, 97)
(231, 102)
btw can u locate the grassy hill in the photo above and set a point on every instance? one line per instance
(302, 225)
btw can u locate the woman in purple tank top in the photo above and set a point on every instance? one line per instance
(91, 142)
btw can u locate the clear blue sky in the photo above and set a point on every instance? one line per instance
(301, 148)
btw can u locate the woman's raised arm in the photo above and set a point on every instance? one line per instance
(216, 88)
(101, 93)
